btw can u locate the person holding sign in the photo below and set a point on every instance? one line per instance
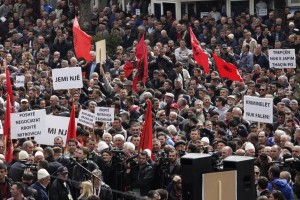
(91, 67)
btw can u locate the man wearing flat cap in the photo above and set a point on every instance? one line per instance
(60, 188)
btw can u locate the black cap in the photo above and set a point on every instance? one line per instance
(180, 142)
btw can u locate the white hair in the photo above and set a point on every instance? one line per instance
(172, 129)
(129, 146)
(119, 136)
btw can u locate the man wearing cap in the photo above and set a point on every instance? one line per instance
(24, 106)
(60, 188)
(41, 184)
(169, 97)
(226, 56)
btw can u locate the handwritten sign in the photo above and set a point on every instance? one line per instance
(20, 81)
(104, 114)
(282, 58)
(258, 109)
(86, 118)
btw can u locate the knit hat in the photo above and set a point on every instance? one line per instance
(38, 153)
(42, 173)
(23, 155)
(205, 139)
(101, 146)
(249, 146)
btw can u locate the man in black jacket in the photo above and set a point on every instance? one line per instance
(139, 178)
(5, 183)
(60, 188)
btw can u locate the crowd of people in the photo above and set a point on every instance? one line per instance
(193, 112)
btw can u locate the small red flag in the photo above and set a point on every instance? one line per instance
(82, 42)
(227, 70)
(7, 132)
(9, 90)
(199, 55)
(72, 124)
(146, 136)
(139, 69)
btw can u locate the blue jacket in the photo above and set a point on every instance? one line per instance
(283, 186)
(42, 192)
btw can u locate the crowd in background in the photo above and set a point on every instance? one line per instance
(193, 112)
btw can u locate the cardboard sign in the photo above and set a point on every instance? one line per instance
(263, 12)
(282, 58)
(86, 118)
(28, 124)
(220, 185)
(258, 109)
(101, 51)
(20, 81)
(67, 78)
(104, 114)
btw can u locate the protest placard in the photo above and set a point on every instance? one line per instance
(282, 58)
(86, 118)
(104, 114)
(28, 124)
(67, 78)
(263, 12)
(258, 109)
(137, 11)
(101, 51)
(56, 126)
(20, 81)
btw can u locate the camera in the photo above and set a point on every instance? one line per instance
(30, 166)
(132, 162)
(163, 159)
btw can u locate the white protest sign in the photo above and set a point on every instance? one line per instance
(20, 81)
(56, 126)
(258, 109)
(262, 12)
(86, 118)
(67, 78)
(282, 58)
(203, 14)
(28, 124)
(1, 129)
(104, 114)
(137, 11)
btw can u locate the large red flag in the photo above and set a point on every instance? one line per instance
(72, 125)
(227, 70)
(199, 55)
(7, 133)
(140, 70)
(82, 42)
(9, 89)
(146, 136)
